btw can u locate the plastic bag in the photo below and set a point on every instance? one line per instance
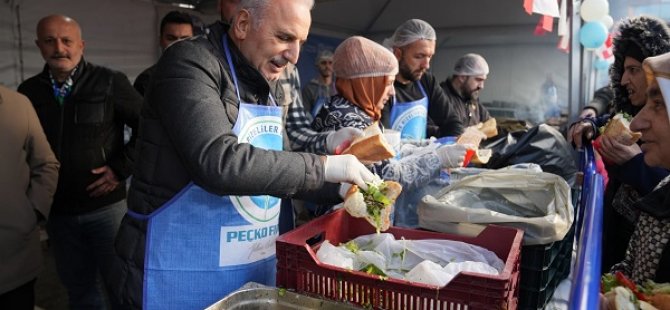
(539, 203)
(542, 145)
(394, 258)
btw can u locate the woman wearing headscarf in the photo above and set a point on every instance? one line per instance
(648, 254)
(364, 76)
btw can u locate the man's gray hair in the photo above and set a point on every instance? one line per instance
(257, 8)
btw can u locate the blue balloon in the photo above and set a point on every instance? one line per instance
(592, 34)
(601, 64)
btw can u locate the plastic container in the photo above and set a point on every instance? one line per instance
(541, 257)
(299, 270)
(540, 277)
(537, 299)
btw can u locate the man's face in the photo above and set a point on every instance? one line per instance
(388, 93)
(173, 32)
(325, 67)
(60, 44)
(414, 59)
(272, 44)
(471, 85)
(633, 79)
(653, 122)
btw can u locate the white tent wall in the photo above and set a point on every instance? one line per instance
(119, 34)
(9, 61)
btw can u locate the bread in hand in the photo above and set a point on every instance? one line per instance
(360, 204)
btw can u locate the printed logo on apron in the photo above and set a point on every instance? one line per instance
(411, 118)
(260, 126)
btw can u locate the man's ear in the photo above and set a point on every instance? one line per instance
(242, 24)
(397, 52)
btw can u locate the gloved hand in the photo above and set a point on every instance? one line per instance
(452, 155)
(344, 189)
(338, 141)
(347, 168)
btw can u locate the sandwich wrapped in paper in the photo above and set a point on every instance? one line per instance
(371, 147)
(473, 137)
(488, 128)
(618, 128)
(374, 204)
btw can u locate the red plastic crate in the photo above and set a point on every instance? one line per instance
(298, 269)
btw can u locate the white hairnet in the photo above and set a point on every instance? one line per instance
(471, 64)
(359, 57)
(323, 54)
(409, 32)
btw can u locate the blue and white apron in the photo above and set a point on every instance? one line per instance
(321, 99)
(317, 105)
(200, 246)
(411, 118)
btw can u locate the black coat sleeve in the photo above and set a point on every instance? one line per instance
(127, 106)
(443, 120)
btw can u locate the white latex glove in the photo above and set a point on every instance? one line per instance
(347, 168)
(452, 155)
(344, 188)
(341, 137)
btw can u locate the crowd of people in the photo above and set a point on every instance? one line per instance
(225, 144)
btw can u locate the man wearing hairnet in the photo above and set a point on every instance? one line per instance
(418, 94)
(322, 86)
(463, 88)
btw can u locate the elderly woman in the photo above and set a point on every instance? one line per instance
(364, 72)
(648, 254)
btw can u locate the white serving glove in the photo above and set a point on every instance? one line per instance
(347, 169)
(338, 138)
(452, 155)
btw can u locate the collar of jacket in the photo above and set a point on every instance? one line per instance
(247, 75)
(450, 85)
(656, 203)
(80, 70)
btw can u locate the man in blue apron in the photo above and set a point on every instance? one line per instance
(418, 94)
(322, 87)
(205, 201)
(463, 87)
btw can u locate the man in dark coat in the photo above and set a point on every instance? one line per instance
(83, 109)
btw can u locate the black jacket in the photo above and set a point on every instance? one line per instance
(86, 132)
(142, 81)
(442, 121)
(470, 112)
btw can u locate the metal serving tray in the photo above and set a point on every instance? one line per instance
(254, 296)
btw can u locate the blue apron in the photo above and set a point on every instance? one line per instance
(411, 118)
(200, 246)
(321, 99)
(318, 104)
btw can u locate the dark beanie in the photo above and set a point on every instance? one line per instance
(634, 51)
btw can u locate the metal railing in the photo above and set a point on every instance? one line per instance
(585, 291)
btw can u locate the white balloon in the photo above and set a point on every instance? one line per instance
(594, 10)
(608, 21)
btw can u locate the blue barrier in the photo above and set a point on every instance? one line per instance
(585, 291)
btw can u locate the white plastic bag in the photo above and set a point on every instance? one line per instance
(539, 203)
